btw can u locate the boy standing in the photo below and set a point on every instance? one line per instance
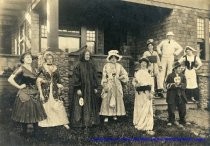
(176, 84)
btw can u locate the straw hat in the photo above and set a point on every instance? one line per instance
(176, 64)
(114, 53)
(150, 41)
(145, 60)
(190, 48)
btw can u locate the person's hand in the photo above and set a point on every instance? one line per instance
(22, 86)
(95, 91)
(195, 68)
(121, 77)
(41, 97)
(138, 84)
(43, 81)
(79, 92)
(160, 68)
(60, 86)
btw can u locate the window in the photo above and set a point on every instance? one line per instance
(43, 30)
(201, 38)
(20, 40)
(91, 40)
(200, 28)
(68, 40)
(43, 37)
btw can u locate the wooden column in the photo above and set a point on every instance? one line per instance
(52, 24)
(206, 36)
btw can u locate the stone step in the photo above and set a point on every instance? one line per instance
(160, 104)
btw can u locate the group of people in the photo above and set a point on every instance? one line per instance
(39, 100)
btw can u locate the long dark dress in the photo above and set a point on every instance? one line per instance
(27, 107)
(85, 79)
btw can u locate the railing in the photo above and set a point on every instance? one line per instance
(8, 61)
(100, 60)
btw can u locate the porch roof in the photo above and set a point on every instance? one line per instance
(10, 10)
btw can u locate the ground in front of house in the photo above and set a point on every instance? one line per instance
(114, 132)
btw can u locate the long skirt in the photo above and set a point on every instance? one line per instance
(112, 102)
(56, 113)
(143, 112)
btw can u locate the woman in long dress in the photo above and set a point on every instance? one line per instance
(155, 65)
(112, 93)
(85, 105)
(28, 108)
(49, 85)
(192, 63)
(143, 112)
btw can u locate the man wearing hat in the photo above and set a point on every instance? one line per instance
(168, 49)
(176, 84)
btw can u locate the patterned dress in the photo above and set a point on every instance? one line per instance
(54, 108)
(28, 107)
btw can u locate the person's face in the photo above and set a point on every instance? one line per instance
(87, 56)
(27, 59)
(113, 59)
(49, 59)
(178, 69)
(188, 52)
(143, 65)
(150, 47)
(170, 37)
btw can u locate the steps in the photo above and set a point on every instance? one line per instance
(160, 104)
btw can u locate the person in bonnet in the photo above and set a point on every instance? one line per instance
(192, 63)
(49, 85)
(114, 75)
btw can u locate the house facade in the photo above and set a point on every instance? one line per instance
(102, 25)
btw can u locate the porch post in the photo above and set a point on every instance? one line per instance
(206, 36)
(52, 24)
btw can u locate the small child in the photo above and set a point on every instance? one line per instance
(176, 84)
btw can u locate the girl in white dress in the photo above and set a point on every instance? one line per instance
(143, 112)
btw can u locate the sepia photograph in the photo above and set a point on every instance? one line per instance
(104, 72)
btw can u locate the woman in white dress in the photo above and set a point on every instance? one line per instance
(155, 66)
(143, 112)
(192, 63)
(49, 85)
(112, 93)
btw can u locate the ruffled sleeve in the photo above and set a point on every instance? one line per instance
(123, 75)
(18, 71)
(104, 75)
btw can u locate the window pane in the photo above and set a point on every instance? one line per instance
(43, 44)
(69, 44)
(200, 28)
(91, 46)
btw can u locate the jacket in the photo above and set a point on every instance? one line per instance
(175, 93)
